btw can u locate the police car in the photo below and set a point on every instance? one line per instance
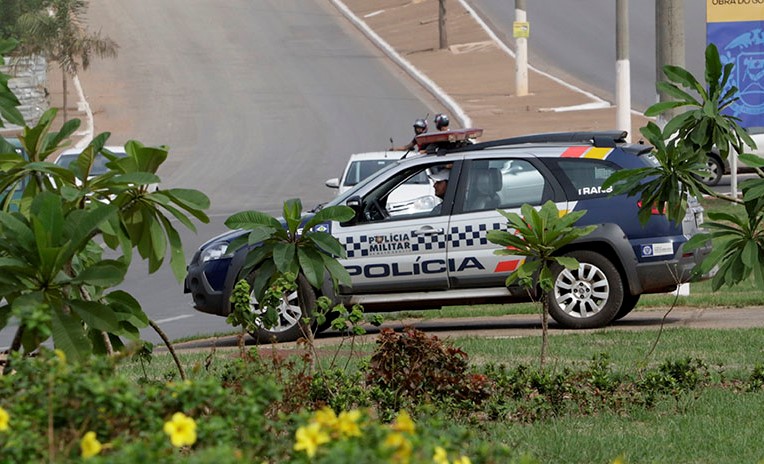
(442, 257)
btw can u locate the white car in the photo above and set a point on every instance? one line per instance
(412, 196)
(717, 167)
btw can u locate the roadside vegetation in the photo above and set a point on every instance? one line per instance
(103, 395)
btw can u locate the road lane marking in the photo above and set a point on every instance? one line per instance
(176, 318)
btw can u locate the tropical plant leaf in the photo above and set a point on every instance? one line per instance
(311, 265)
(96, 315)
(251, 220)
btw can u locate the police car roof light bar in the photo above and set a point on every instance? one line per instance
(595, 138)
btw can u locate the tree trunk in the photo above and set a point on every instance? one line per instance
(544, 328)
(170, 348)
(306, 297)
(64, 76)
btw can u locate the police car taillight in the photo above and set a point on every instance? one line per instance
(654, 211)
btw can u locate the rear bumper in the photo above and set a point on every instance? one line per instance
(665, 276)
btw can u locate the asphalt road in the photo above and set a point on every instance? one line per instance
(576, 41)
(258, 101)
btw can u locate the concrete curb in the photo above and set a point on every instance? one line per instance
(417, 75)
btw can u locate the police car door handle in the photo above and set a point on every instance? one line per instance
(426, 230)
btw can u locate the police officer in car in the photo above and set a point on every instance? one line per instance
(440, 184)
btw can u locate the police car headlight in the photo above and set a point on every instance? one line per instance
(215, 251)
(425, 203)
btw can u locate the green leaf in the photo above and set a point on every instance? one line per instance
(177, 258)
(260, 234)
(336, 270)
(312, 265)
(102, 274)
(135, 178)
(337, 213)
(96, 315)
(661, 107)
(127, 309)
(752, 160)
(293, 215)
(252, 220)
(47, 219)
(568, 262)
(69, 336)
(328, 244)
(284, 256)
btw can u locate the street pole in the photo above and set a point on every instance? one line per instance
(442, 24)
(622, 68)
(521, 54)
(669, 44)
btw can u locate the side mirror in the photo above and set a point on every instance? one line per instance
(356, 204)
(333, 183)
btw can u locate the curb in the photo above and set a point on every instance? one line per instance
(417, 75)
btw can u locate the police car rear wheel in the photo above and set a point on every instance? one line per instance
(289, 325)
(588, 297)
(629, 303)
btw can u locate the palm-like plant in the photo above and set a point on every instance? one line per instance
(538, 236)
(54, 279)
(59, 33)
(297, 249)
(680, 149)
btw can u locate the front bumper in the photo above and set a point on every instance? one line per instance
(206, 284)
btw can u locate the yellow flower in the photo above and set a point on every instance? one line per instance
(325, 417)
(402, 446)
(308, 438)
(440, 456)
(90, 445)
(60, 355)
(4, 419)
(403, 423)
(347, 423)
(181, 429)
(463, 460)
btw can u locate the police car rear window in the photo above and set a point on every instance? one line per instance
(587, 176)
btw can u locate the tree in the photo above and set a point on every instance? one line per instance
(58, 32)
(295, 249)
(53, 276)
(538, 236)
(680, 149)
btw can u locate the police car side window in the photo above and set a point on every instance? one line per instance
(503, 183)
(407, 194)
(587, 176)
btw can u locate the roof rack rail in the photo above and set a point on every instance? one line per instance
(594, 138)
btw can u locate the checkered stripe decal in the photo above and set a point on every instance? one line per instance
(354, 246)
(471, 235)
(428, 242)
(459, 237)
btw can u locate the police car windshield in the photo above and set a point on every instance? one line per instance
(340, 199)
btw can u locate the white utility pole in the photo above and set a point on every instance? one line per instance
(442, 37)
(622, 68)
(521, 31)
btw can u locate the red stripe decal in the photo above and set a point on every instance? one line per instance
(574, 152)
(507, 266)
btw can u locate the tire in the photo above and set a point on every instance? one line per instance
(629, 303)
(290, 325)
(715, 170)
(588, 297)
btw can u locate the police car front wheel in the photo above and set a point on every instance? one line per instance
(587, 297)
(289, 325)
